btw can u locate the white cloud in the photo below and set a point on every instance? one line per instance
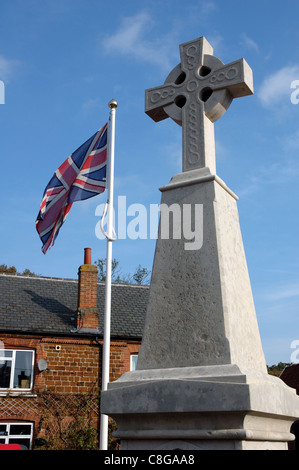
(130, 39)
(283, 293)
(90, 104)
(276, 174)
(7, 67)
(277, 87)
(250, 43)
(127, 37)
(207, 6)
(292, 141)
(216, 41)
(249, 187)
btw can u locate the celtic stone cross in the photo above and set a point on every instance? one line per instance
(195, 94)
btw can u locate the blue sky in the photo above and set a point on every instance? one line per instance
(61, 61)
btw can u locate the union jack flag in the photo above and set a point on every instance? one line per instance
(81, 176)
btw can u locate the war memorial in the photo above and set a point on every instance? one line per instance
(201, 381)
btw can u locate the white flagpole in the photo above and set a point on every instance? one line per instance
(107, 314)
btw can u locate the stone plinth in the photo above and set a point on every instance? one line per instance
(201, 408)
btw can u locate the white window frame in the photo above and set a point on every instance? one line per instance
(8, 436)
(133, 356)
(13, 363)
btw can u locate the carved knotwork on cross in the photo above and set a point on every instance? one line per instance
(195, 94)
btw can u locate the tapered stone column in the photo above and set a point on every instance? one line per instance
(201, 309)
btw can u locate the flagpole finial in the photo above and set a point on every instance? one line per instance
(113, 104)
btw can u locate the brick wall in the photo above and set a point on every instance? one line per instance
(74, 368)
(73, 365)
(120, 357)
(87, 297)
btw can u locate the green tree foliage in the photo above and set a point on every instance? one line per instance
(141, 275)
(69, 421)
(276, 369)
(101, 265)
(4, 269)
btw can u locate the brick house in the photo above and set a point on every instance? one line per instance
(51, 333)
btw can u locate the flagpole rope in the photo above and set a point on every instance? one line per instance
(111, 239)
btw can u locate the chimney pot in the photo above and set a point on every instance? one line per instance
(87, 255)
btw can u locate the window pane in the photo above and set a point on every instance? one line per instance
(24, 442)
(2, 441)
(5, 370)
(5, 353)
(2, 429)
(134, 358)
(23, 369)
(20, 429)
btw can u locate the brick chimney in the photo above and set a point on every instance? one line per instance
(88, 316)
